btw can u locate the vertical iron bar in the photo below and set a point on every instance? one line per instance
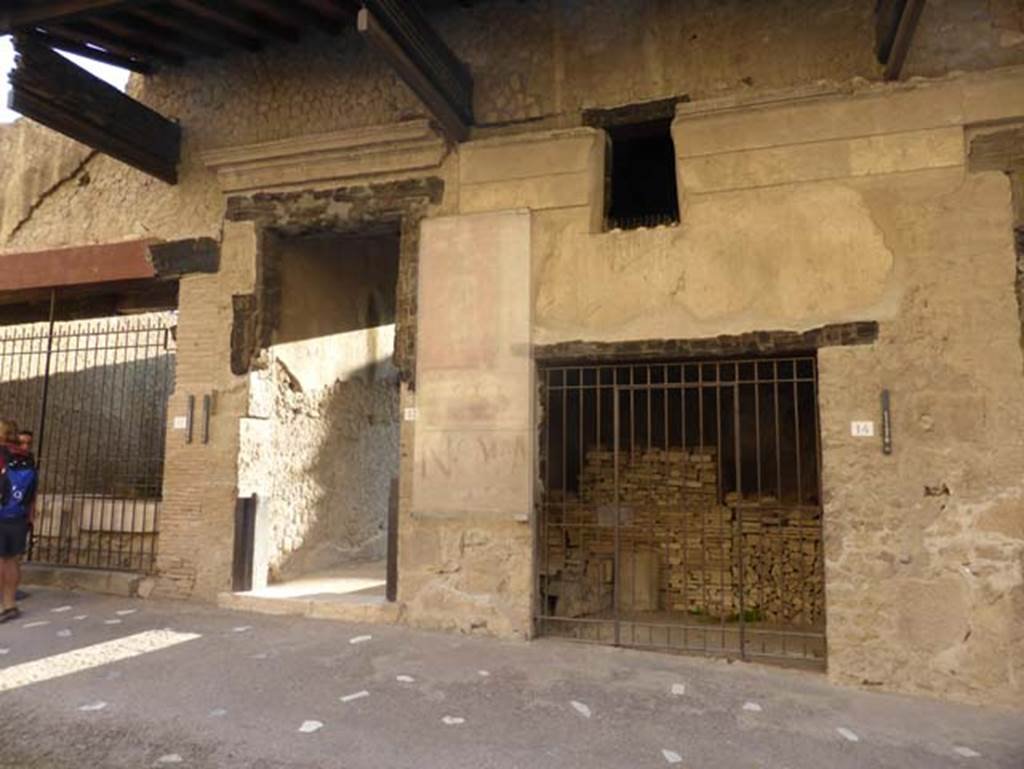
(721, 539)
(616, 534)
(796, 428)
(41, 432)
(778, 432)
(738, 512)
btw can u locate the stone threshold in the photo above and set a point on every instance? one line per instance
(372, 609)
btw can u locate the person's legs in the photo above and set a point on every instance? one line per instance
(12, 545)
(9, 575)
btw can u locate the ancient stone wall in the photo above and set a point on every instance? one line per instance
(835, 203)
(539, 60)
(322, 466)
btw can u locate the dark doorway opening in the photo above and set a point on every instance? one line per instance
(642, 175)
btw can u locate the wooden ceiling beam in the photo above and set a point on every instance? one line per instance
(30, 13)
(403, 35)
(253, 35)
(69, 45)
(284, 20)
(334, 11)
(191, 39)
(137, 35)
(895, 24)
(89, 33)
(51, 90)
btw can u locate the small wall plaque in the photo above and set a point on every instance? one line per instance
(862, 429)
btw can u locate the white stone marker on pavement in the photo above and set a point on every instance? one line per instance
(848, 734)
(672, 757)
(360, 639)
(753, 707)
(353, 697)
(64, 633)
(582, 709)
(966, 752)
(80, 617)
(112, 622)
(125, 613)
(484, 673)
(4, 651)
(453, 720)
(308, 727)
(405, 679)
(92, 706)
(678, 689)
(241, 629)
(170, 758)
(40, 623)
(218, 713)
(60, 609)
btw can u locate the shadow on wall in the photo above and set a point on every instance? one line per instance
(338, 449)
(324, 447)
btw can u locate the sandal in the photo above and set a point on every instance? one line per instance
(8, 614)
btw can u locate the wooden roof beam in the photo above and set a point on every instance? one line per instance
(284, 21)
(403, 35)
(53, 91)
(189, 39)
(30, 13)
(895, 24)
(143, 37)
(69, 45)
(85, 33)
(336, 13)
(253, 35)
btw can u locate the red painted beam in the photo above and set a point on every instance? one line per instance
(77, 266)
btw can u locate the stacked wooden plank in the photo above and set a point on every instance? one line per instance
(679, 549)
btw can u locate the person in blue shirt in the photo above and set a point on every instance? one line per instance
(18, 481)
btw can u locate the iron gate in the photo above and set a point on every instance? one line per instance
(95, 393)
(682, 508)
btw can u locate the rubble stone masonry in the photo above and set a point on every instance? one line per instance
(810, 194)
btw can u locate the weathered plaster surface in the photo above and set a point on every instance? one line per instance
(871, 216)
(320, 443)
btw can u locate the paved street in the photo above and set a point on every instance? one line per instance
(180, 685)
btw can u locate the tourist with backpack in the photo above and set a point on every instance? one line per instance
(18, 481)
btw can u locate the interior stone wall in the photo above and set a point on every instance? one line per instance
(320, 444)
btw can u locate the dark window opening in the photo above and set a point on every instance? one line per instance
(642, 176)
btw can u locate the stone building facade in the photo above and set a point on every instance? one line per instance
(813, 199)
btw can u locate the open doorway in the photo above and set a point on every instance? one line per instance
(323, 455)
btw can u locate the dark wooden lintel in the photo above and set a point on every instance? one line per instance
(753, 343)
(400, 32)
(181, 257)
(53, 91)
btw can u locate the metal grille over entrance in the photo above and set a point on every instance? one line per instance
(682, 508)
(95, 393)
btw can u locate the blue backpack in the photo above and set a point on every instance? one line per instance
(17, 487)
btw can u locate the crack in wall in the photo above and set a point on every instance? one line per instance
(48, 193)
